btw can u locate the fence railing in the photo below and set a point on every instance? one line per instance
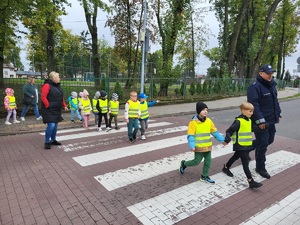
(178, 90)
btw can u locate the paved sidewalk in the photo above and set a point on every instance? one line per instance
(32, 125)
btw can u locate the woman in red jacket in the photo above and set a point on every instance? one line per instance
(52, 103)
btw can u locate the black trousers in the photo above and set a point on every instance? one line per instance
(244, 156)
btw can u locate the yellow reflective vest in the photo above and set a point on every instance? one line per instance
(114, 107)
(94, 103)
(103, 104)
(244, 134)
(133, 111)
(75, 101)
(12, 101)
(144, 110)
(86, 105)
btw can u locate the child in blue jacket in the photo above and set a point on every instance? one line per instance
(73, 102)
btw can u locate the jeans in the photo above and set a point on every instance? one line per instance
(144, 126)
(133, 124)
(264, 138)
(77, 114)
(35, 109)
(50, 132)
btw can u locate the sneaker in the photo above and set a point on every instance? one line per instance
(22, 118)
(227, 171)
(47, 146)
(254, 184)
(39, 118)
(55, 142)
(117, 128)
(7, 123)
(206, 179)
(143, 137)
(72, 121)
(108, 128)
(131, 140)
(98, 128)
(182, 167)
(16, 121)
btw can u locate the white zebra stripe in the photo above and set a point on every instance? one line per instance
(176, 205)
(91, 133)
(112, 140)
(99, 157)
(130, 175)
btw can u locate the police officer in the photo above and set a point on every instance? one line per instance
(263, 96)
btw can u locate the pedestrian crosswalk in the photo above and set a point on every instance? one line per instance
(161, 153)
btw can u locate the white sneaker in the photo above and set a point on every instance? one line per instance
(16, 121)
(39, 118)
(22, 118)
(143, 137)
(108, 128)
(99, 129)
(7, 123)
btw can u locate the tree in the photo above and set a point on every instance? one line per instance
(10, 12)
(125, 25)
(169, 24)
(42, 20)
(91, 8)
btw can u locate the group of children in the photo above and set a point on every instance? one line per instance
(240, 132)
(136, 110)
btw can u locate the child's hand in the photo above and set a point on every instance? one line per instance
(224, 143)
(193, 149)
(157, 101)
(127, 120)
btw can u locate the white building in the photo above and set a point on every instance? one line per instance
(9, 71)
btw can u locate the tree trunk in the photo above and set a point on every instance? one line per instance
(264, 38)
(234, 38)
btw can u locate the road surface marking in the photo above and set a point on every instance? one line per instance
(286, 211)
(115, 139)
(92, 132)
(130, 175)
(178, 204)
(131, 149)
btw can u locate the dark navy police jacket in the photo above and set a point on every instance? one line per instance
(262, 94)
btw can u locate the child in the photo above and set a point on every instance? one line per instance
(94, 104)
(114, 110)
(132, 113)
(73, 102)
(240, 131)
(86, 108)
(102, 106)
(198, 135)
(10, 105)
(144, 113)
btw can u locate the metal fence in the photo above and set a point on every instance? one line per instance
(179, 90)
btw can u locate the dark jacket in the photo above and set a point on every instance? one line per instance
(263, 96)
(30, 90)
(52, 102)
(235, 128)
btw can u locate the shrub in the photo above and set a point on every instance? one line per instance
(192, 88)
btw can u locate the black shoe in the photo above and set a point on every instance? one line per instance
(117, 128)
(263, 173)
(47, 146)
(227, 171)
(131, 140)
(72, 121)
(55, 142)
(254, 184)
